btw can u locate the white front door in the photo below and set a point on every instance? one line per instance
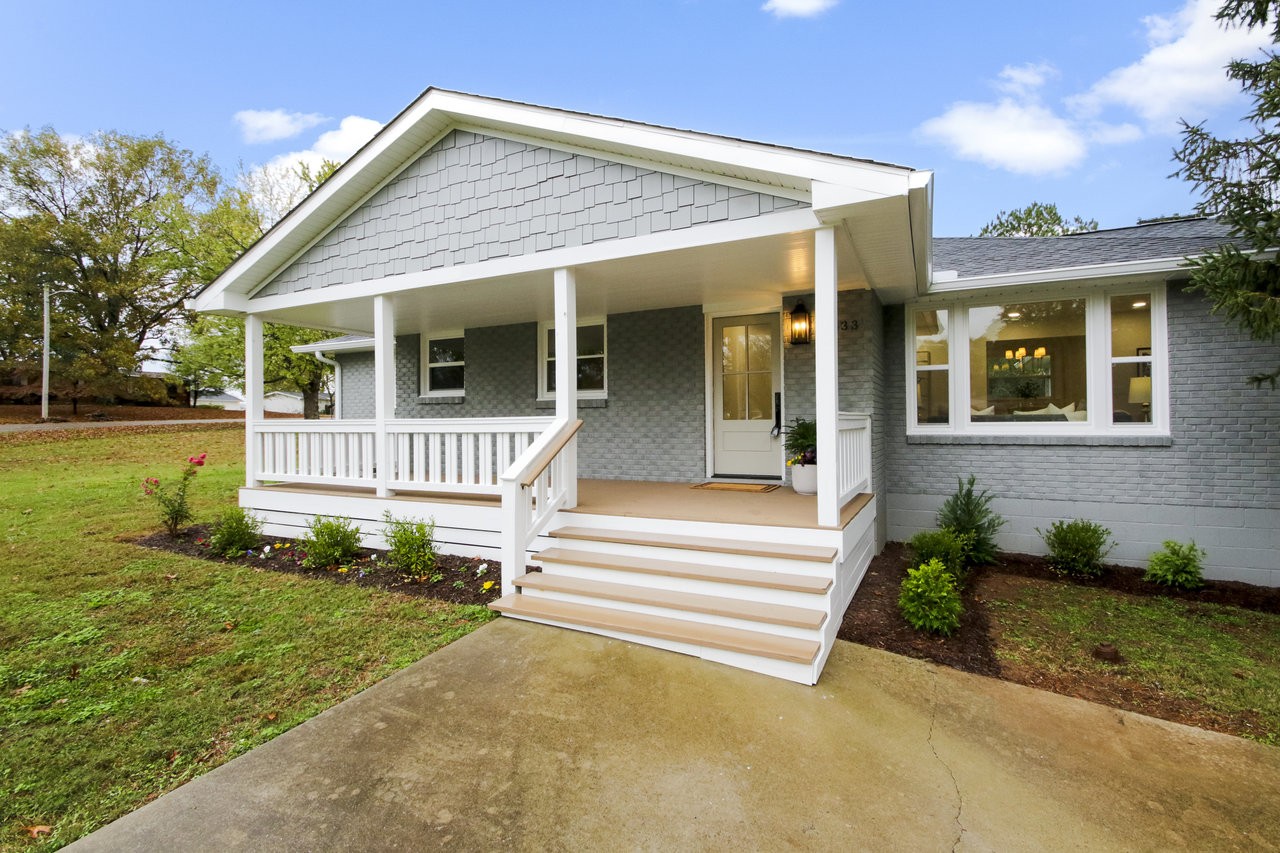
(746, 395)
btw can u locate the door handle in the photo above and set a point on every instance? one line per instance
(777, 414)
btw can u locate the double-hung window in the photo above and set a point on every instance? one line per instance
(592, 368)
(1029, 363)
(444, 366)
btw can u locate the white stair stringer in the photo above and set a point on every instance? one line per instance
(765, 599)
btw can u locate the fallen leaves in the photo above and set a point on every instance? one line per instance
(38, 830)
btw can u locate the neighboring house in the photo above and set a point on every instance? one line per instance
(558, 323)
(227, 400)
(290, 402)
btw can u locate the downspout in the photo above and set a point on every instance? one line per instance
(337, 383)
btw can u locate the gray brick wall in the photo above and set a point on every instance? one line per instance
(1218, 479)
(473, 197)
(651, 427)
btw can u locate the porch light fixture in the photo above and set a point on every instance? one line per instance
(801, 331)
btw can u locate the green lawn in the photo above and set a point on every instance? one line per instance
(1222, 659)
(125, 671)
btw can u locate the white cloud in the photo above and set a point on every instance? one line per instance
(797, 8)
(337, 145)
(1182, 73)
(1022, 137)
(272, 125)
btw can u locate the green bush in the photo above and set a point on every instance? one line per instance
(1077, 547)
(329, 542)
(971, 514)
(947, 547)
(237, 530)
(1179, 566)
(411, 548)
(929, 600)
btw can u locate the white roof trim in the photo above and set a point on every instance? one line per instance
(354, 345)
(945, 281)
(438, 110)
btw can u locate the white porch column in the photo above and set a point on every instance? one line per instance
(253, 411)
(566, 321)
(826, 374)
(384, 384)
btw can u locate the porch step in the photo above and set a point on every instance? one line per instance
(809, 553)
(753, 611)
(659, 627)
(670, 568)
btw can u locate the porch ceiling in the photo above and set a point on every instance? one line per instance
(753, 273)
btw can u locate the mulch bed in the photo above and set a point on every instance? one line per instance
(873, 620)
(462, 580)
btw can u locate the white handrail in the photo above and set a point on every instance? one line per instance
(533, 489)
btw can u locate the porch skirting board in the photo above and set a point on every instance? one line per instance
(1242, 544)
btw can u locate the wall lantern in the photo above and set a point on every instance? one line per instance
(801, 331)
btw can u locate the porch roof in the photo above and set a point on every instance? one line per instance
(882, 210)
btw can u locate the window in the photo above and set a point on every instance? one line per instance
(443, 366)
(1069, 365)
(592, 360)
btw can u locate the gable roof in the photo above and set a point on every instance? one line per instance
(840, 181)
(1174, 240)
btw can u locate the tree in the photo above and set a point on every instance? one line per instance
(1238, 179)
(1036, 220)
(102, 218)
(213, 357)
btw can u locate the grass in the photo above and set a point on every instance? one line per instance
(1222, 658)
(125, 672)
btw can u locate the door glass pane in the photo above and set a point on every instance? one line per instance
(759, 348)
(733, 349)
(760, 397)
(1130, 326)
(734, 404)
(1027, 362)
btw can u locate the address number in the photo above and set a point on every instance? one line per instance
(848, 325)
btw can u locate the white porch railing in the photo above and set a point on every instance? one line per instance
(534, 488)
(463, 455)
(853, 455)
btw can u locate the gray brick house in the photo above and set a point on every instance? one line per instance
(552, 326)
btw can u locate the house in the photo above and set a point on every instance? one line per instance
(559, 328)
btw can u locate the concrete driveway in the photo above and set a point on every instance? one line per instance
(526, 737)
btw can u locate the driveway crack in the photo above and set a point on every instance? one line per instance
(933, 718)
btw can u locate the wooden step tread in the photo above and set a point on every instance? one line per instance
(661, 628)
(813, 584)
(714, 605)
(812, 553)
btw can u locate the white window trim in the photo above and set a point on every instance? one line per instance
(544, 357)
(1098, 361)
(425, 365)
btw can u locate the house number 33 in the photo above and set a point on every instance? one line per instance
(848, 325)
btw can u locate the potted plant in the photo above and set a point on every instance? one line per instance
(801, 444)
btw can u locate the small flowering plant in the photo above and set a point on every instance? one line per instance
(801, 441)
(174, 509)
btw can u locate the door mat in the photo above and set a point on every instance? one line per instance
(759, 488)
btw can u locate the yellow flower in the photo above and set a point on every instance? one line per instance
(488, 585)
(342, 570)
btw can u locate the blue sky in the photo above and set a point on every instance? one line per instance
(1008, 102)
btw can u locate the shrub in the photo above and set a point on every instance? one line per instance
(800, 439)
(1077, 547)
(929, 600)
(971, 514)
(329, 542)
(174, 509)
(1179, 566)
(947, 547)
(236, 530)
(411, 545)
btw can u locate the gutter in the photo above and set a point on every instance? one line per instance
(946, 281)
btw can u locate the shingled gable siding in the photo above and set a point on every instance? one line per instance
(1218, 480)
(652, 427)
(861, 358)
(472, 198)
